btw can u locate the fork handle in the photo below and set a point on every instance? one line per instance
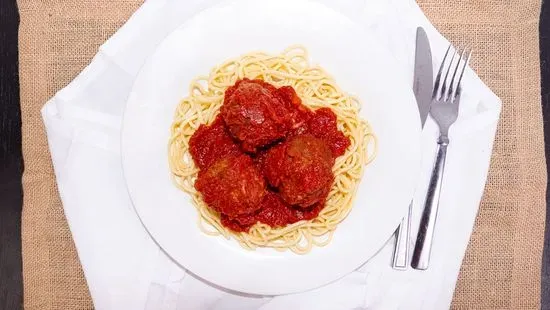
(424, 240)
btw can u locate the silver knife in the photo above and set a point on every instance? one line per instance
(422, 87)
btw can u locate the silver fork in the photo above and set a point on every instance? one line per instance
(444, 110)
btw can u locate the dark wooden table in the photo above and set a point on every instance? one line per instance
(11, 163)
(545, 84)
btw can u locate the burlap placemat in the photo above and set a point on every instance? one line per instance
(501, 269)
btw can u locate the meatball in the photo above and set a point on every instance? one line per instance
(256, 113)
(301, 169)
(232, 186)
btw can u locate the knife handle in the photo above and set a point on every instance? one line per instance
(401, 252)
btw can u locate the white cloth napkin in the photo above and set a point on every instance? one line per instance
(123, 266)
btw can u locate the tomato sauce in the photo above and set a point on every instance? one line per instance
(211, 143)
(274, 212)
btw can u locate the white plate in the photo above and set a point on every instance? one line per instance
(359, 65)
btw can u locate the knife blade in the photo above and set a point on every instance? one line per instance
(423, 74)
(422, 88)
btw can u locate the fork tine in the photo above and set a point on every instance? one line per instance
(438, 77)
(459, 88)
(444, 86)
(452, 89)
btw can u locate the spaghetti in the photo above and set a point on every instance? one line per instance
(316, 90)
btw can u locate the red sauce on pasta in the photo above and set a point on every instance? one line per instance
(266, 158)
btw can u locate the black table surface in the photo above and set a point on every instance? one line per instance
(545, 93)
(11, 163)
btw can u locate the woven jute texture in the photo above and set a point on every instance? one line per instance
(501, 269)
